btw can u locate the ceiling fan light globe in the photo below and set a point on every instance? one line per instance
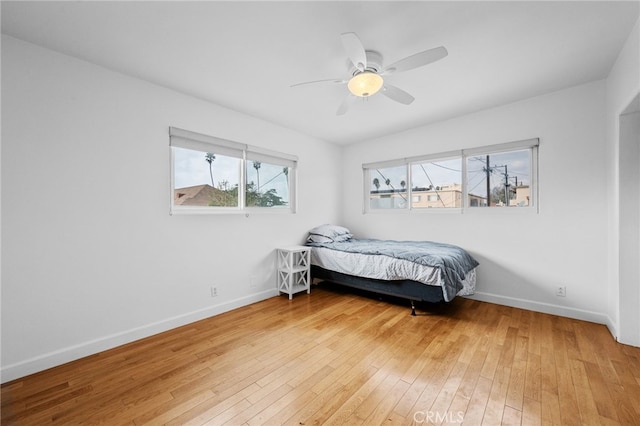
(365, 84)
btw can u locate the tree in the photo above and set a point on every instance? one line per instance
(376, 183)
(497, 195)
(403, 184)
(268, 199)
(209, 157)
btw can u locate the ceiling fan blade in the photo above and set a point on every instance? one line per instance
(355, 50)
(328, 81)
(346, 104)
(398, 95)
(417, 60)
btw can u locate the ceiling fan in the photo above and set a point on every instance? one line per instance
(367, 71)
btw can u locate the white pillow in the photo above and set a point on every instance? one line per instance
(315, 238)
(330, 231)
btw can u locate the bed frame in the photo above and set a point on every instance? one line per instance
(413, 291)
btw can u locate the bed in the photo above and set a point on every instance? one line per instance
(421, 271)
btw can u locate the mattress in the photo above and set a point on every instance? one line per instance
(384, 268)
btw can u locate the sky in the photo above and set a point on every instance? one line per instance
(191, 169)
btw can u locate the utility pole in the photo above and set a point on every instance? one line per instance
(506, 186)
(488, 172)
(506, 182)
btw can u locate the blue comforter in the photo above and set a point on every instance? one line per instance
(453, 262)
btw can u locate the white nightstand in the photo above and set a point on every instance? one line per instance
(293, 265)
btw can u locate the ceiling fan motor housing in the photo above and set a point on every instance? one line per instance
(374, 63)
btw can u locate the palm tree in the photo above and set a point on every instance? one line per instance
(256, 165)
(209, 157)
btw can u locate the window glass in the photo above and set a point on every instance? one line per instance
(437, 184)
(267, 185)
(500, 175)
(388, 187)
(216, 175)
(205, 179)
(500, 179)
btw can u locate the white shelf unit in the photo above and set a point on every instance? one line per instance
(294, 273)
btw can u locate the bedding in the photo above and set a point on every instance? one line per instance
(430, 263)
(384, 268)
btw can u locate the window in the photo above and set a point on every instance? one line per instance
(500, 179)
(388, 187)
(212, 175)
(496, 176)
(205, 179)
(440, 181)
(267, 184)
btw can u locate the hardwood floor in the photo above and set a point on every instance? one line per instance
(342, 358)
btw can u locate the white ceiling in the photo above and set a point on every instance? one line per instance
(246, 55)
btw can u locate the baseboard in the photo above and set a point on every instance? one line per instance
(72, 353)
(611, 325)
(546, 308)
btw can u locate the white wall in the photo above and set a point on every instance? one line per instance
(523, 257)
(623, 85)
(91, 258)
(629, 223)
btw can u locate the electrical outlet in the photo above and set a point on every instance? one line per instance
(561, 291)
(214, 292)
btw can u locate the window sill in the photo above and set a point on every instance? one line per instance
(467, 211)
(229, 211)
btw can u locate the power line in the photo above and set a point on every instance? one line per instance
(390, 185)
(443, 167)
(431, 182)
(469, 191)
(281, 173)
(476, 159)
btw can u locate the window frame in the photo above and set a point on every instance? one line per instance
(527, 144)
(368, 178)
(180, 138)
(432, 159)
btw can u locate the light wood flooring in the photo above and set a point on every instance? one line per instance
(343, 358)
